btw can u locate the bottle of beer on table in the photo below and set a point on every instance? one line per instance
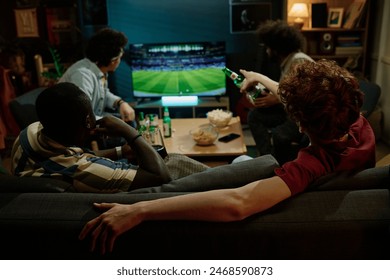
(167, 126)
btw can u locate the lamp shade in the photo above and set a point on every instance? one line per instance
(299, 10)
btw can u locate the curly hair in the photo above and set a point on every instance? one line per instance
(105, 45)
(280, 37)
(322, 97)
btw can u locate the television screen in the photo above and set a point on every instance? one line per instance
(178, 69)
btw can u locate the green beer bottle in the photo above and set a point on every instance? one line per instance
(167, 126)
(257, 91)
(153, 129)
(141, 123)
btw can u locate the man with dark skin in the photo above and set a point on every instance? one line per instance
(54, 146)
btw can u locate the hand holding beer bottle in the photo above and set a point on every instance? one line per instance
(258, 90)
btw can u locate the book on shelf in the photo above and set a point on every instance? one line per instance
(341, 50)
(349, 40)
(353, 14)
(349, 44)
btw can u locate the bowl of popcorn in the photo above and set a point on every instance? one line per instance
(204, 135)
(219, 118)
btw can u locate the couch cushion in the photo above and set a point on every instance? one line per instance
(371, 178)
(13, 184)
(312, 225)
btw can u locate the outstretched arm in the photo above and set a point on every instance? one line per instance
(252, 78)
(218, 205)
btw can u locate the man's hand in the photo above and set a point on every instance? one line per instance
(104, 229)
(113, 126)
(128, 153)
(251, 79)
(265, 101)
(127, 113)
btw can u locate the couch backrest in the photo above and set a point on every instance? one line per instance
(23, 108)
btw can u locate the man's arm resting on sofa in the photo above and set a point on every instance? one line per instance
(218, 205)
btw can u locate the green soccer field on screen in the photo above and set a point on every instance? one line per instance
(186, 82)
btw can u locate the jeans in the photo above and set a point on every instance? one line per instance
(274, 133)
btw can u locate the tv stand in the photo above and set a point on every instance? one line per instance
(204, 104)
(181, 101)
(141, 100)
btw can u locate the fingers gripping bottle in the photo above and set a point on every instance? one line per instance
(257, 91)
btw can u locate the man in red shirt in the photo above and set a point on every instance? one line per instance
(323, 99)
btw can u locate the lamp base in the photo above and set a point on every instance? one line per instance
(298, 25)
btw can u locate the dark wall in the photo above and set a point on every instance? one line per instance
(69, 48)
(150, 21)
(162, 21)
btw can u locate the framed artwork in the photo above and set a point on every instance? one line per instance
(26, 22)
(246, 16)
(335, 17)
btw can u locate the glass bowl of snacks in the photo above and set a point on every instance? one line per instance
(219, 118)
(204, 135)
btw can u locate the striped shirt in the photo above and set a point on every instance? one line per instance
(34, 154)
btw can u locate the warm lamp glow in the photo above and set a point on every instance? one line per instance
(299, 11)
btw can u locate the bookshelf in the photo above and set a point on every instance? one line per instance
(347, 44)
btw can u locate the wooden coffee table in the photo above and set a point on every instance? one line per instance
(219, 153)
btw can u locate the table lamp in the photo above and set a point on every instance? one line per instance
(299, 11)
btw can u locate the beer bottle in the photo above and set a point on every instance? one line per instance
(255, 92)
(141, 123)
(153, 129)
(167, 126)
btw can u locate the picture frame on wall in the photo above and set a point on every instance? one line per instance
(26, 22)
(246, 16)
(335, 17)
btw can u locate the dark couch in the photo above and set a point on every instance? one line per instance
(340, 217)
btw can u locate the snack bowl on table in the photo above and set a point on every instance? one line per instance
(219, 118)
(204, 135)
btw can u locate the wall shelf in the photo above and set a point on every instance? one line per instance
(347, 46)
